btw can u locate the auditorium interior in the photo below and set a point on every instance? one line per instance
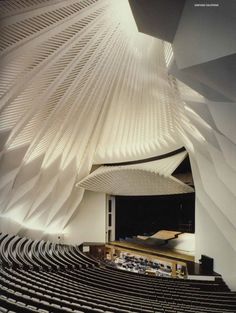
(117, 156)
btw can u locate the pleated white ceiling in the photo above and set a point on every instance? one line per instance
(79, 86)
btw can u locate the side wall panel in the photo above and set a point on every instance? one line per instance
(90, 222)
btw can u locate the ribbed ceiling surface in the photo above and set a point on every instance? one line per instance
(79, 86)
(152, 178)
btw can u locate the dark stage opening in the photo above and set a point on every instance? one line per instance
(139, 215)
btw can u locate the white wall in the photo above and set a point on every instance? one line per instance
(203, 52)
(89, 224)
(215, 217)
(210, 241)
(213, 158)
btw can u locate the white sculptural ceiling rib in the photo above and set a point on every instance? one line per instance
(79, 86)
(151, 178)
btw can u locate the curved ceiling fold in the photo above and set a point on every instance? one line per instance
(79, 86)
(153, 178)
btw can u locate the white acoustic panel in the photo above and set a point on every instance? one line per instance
(151, 178)
(132, 182)
(165, 166)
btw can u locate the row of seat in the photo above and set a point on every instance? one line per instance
(41, 276)
(23, 253)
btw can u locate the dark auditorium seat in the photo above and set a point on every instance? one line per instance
(44, 277)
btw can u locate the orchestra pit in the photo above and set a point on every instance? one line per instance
(117, 156)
